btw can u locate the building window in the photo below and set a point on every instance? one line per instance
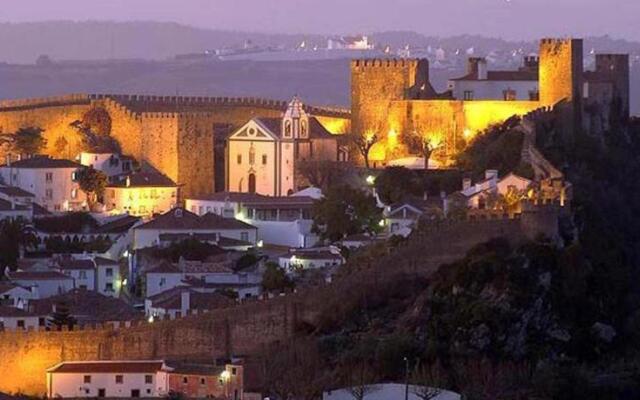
(48, 177)
(57, 207)
(119, 379)
(234, 371)
(109, 272)
(287, 129)
(244, 236)
(185, 380)
(203, 381)
(48, 193)
(252, 155)
(264, 159)
(303, 129)
(239, 158)
(109, 287)
(73, 176)
(42, 321)
(148, 379)
(20, 323)
(163, 281)
(74, 193)
(468, 94)
(87, 379)
(83, 275)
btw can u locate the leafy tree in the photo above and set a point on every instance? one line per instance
(62, 146)
(393, 184)
(363, 143)
(92, 182)
(189, 249)
(345, 211)
(15, 237)
(61, 317)
(324, 174)
(28, 141)
(275, 278)
(95, 142)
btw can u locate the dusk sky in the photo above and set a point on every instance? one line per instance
(511, 19)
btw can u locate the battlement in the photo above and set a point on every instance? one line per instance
(386, 62)
(41, 102)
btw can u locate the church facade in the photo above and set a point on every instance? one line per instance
(264, 155)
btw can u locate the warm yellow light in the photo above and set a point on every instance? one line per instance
(392, 138)
(151, 319)
(260, 243)
(371, 179)
(381, 223)
(225, 375)
(468, 134)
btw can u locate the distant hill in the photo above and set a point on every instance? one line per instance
(100, 40)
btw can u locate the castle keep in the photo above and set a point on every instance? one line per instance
(394, 99)
(175, 135)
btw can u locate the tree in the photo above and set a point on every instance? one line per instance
(324, 174)
(28, 141)
(363, 144)
(419, 142)
(15, 237)
(393, 184)
(359, 379)
(428, 380)
(92, 182)
(345, 211)
(95, 142)
(275, 278)
(61, 146)
(61, 316)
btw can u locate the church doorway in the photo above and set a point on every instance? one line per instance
(252, 183)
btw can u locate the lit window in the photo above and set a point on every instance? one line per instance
(74, 193)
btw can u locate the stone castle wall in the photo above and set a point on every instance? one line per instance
(243, 330)
(172, 133)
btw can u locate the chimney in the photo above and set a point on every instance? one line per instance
(185, 301)
(466, 183)
(477, 66)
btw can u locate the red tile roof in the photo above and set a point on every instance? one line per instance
(14, 191)
(73, 264)
(44, 162)
(145, 179)
(522, 75)
(181, 219)
(235, 197)
(37, 275)
(7, 311)
(125, 367)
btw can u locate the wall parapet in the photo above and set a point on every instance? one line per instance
(41, 102)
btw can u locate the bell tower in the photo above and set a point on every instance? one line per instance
(295, 122)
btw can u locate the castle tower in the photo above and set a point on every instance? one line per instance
(560, 81)
(375, 83)
(615, 68)
(561, 69)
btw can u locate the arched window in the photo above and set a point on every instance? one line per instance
(287, 129)
(252, 155)
(303, 129)
(252, 183)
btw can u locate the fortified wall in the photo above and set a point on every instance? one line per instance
(244, 329)
(394, 100)
(172, 133)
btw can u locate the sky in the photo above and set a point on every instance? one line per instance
(509, 19)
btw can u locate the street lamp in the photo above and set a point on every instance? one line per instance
(406, 378)
(225, 376)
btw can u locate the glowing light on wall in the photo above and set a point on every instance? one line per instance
(392, 139)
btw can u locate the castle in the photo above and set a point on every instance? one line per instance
(176, 135)
(185, 137)
(395, 100)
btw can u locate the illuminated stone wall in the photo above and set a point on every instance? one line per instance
(173, 134)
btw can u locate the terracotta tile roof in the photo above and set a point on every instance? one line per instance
(521, 75)
(230, 242)
(104, 261)
(178, 237)
(88, 306)
(7, 286)
(119, 225)
(125, 367)
(235, 197)
(181, 219)
(44, 162)
(164, 267)
(5, 205)
(172, 300)
(281, 201)
(314, 255)
(183, 368)
(7, 311)
(14, 191)
(145, 179)
(37, 275)
(73, 264)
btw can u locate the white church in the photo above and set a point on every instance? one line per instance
(263, 155)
